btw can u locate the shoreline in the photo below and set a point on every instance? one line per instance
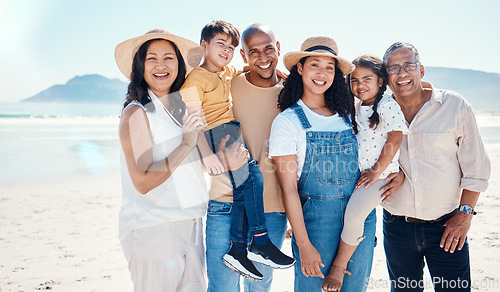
(61, 234)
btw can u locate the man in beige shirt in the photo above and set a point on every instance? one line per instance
(255, 96)
(446, 167)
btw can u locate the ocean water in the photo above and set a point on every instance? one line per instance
(47, 141)
(56, 141)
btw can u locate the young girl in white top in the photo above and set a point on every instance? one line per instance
(381, 125)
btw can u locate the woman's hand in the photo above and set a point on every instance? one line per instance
(311, 261)
(193, 125)
(137, 144)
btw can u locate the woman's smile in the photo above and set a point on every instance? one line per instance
(317, 73)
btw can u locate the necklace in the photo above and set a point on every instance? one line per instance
(323, 115)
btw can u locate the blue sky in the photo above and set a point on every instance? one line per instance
(48, 42)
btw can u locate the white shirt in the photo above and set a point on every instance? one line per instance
(371, 141)
(182, 196)
(442, 154)
(288, 137)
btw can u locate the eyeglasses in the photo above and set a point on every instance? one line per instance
(407, 67)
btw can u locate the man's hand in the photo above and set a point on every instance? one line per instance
(456, 231)
(234, 157)
(395, 180)
(281, 75)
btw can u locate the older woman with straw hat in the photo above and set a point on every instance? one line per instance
(314, 148)
(164, 192)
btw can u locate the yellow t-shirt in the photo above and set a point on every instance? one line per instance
(211, 91)
(255, 108)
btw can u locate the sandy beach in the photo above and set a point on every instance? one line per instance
(61, 235)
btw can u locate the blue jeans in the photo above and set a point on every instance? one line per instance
(220, 277)
(407, 244)
(248, 187)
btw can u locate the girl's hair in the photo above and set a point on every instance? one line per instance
(337, 97)
(138, 88)
(373, 63)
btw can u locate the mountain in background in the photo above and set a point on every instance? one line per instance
(84, 89)
(481, 89)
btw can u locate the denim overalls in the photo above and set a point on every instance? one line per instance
(325, 185)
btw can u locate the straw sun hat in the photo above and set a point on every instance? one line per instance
(318, 46)
(125, 51)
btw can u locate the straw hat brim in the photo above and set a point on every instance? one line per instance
(125, 51)
(292, 58)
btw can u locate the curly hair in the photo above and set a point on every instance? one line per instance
(373, 63)
(138, 88)
(337, 97)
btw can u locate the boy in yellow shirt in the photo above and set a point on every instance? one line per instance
(212, 81)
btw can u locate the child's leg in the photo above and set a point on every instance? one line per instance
(214, 135)
(248, 211)
(247, 182)
(360, 205)
(250, 195)
(252, 191)
(248, 187)
(239, 223)
(261, 250)
(238, 178)
(237, 257)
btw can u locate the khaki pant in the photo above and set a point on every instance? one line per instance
(167, 257)
(358, 208)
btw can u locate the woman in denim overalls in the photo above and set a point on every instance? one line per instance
(314, 148)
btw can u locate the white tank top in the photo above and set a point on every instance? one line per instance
(182, 196)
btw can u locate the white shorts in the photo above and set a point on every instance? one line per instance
(167, 257)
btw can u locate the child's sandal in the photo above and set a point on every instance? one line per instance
(335, 283)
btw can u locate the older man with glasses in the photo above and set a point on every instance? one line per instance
(446, 167)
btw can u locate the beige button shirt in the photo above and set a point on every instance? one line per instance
(441, 154)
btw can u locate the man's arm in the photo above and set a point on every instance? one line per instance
(476, 168)
(458, 226)
(240, 70)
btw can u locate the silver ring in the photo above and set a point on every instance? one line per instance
(455, 239)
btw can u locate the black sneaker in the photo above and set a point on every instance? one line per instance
(269, 255)
(238, 262)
